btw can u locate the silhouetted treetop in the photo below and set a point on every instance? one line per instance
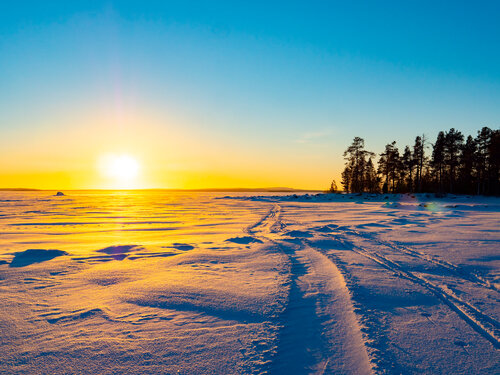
(455, 166)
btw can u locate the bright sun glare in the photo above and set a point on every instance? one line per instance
(121, 168)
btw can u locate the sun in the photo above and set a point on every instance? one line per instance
(121, 168)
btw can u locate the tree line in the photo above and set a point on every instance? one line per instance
(456, 165)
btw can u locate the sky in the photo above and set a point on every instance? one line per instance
(234, 94)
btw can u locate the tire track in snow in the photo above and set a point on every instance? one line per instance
(485, 325)
(320, 333)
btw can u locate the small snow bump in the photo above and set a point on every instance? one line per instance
(245, 240)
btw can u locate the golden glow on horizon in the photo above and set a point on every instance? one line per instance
(122, 169)
(166, 152)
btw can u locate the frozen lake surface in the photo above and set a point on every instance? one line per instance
(206, 283)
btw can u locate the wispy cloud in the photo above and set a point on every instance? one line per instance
(313, 137)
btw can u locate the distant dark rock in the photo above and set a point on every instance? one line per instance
(27, 257)
(59, 194)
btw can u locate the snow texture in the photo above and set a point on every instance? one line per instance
(210, 283)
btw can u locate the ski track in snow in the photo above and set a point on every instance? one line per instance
(320, 332)
(470, 276)
(485, 325)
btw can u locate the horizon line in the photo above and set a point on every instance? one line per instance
(264, 189)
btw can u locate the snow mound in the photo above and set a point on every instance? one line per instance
(120, 249)
(25, 258)
(245, 240)
(119, 252)
(299, 233)
(182, 246)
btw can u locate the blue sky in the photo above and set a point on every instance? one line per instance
(293, 82)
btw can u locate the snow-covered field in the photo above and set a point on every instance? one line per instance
(205, 283)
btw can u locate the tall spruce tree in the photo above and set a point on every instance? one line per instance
(468, 166)
(419, 156)
(437, 161)
(371, 178)
(354, 174)
(494, 165)
(483, 140)
(453, 141)
(408, 164)
(388, 167)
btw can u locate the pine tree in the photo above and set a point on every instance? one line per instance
(494, 165)
(483, 140)
(346, 178)
(372, 181)
(353, 176)
(409, 164)
(437, 161)
(389, 166)
(453, 141)
(383, 170)
(468, 166)
(419, 156)
(333, 187)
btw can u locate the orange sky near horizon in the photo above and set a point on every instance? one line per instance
(170, 154)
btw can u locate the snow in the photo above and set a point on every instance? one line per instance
(211, 283)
